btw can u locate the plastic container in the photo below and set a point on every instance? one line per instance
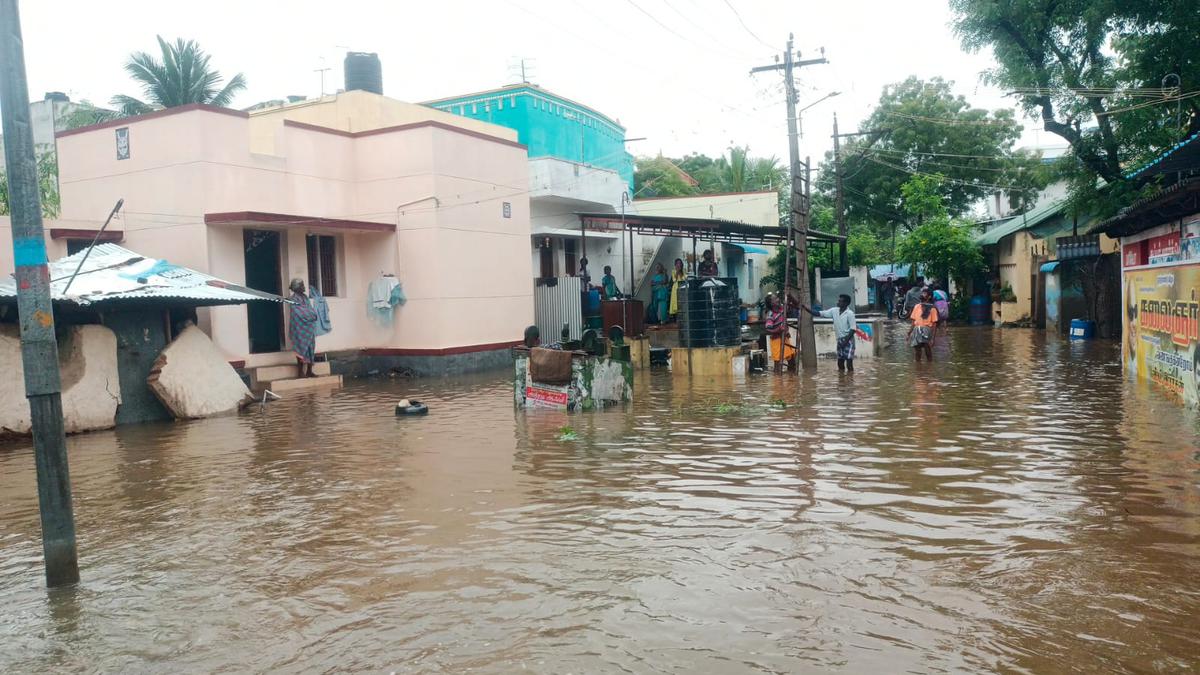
(1082, 329)
(979, 310)
(591, 303)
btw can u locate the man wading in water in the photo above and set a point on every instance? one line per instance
(844, 326)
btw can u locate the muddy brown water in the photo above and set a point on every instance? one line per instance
(1013, 507)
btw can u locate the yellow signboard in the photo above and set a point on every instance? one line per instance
(1162, 327)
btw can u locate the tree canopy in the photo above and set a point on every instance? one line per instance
(181, 75)
(941, 245)
(47, 178)
(1095, 72)
(920, 128)
(736, 172)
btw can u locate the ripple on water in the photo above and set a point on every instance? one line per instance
(906, 518)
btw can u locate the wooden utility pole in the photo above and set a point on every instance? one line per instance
(800, 205)
(39, 351)
(840, 205)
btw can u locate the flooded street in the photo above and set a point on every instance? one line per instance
(1017, 507)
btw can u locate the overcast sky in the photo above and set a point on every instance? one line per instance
(673, 71)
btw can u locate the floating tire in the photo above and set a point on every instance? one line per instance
(413, 408)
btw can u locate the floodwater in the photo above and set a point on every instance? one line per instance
(1013, 507)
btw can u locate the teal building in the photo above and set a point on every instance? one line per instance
(549, 125)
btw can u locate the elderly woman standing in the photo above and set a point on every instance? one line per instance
(302, 328)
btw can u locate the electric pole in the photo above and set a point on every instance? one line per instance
(39, 351)
(840, 199)
(798, 228)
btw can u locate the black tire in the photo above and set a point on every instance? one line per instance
(414, 408)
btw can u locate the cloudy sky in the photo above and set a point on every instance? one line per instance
(673, 71)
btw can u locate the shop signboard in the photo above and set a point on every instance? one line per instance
(1161, 312)
(1164, 248)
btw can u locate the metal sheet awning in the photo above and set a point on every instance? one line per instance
(1183, 156)
(1049, 267)
(707, 229)
(112, 274)
(747, 248)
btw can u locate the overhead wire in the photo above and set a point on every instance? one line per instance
(956, 181)
(747, 28)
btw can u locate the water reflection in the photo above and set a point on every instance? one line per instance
(1012, 506)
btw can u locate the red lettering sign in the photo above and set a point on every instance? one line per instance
(1164, 248)
(1133, 255)
(550, 397)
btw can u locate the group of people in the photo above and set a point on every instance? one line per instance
(664, 294)
(844, 327)
(927, 307)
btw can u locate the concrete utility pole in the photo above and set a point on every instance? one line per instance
(840, 199)
(800, 205)
(39, 351)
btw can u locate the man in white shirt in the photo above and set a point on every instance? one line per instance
(844, 325)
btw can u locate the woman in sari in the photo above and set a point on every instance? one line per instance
(302, 328)
(661, 298)
(678, 276)
(924, 319)
(777, 333)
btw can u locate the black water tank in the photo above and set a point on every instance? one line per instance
(709, 313)
(57, 96)
(363, 71)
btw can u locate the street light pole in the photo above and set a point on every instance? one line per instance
(39, 351)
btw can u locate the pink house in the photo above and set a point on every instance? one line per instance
(338, 192)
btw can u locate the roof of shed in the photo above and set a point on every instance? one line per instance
(112, 274)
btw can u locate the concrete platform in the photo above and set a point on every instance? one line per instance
(301, 384)
(639, 352)
(707, 361)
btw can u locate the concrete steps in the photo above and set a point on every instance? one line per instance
(265, 374)
(296, 384)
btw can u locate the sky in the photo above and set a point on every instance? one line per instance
(675, 72)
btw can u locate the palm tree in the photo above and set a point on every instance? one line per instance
(182, 76)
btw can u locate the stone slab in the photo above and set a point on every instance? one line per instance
(192, 378)
(302, 384)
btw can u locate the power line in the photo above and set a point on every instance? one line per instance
(747, 28)
(941, 177)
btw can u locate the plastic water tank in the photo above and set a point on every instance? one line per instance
(979, 309)
(363, 71)
(709, 313)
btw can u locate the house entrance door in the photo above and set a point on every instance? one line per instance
(263, 273)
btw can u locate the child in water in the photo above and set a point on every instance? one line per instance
(924, 319)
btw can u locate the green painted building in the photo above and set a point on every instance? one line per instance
(549, 125)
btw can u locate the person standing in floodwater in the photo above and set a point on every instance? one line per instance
(777, 332)
(924, 320)
(302, 328)
(844, 325)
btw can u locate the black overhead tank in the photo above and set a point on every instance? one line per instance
(363, 71)
(709, 313)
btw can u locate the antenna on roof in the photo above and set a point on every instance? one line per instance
(120, 203)
(523, 69)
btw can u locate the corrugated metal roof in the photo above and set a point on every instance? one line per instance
(1175, 158)
(112, 273)
(1021, 222)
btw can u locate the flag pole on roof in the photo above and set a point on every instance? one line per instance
(95, 239)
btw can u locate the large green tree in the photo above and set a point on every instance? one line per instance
(181, 75)
(921, 128)
(1095, 73)
(942, 246)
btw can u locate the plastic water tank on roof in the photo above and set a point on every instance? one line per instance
(363, 71)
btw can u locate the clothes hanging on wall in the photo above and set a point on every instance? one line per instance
(323, 325)
(383, 295)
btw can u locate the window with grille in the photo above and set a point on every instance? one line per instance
(322, 263)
